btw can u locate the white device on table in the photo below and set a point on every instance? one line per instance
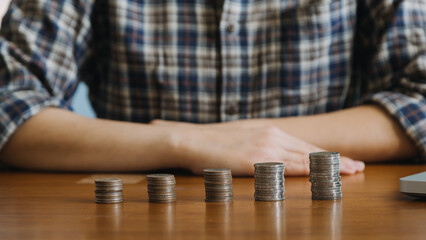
(414, 185)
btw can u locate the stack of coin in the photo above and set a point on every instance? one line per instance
(325, 175)
(269, 181)
(161, 188)
(108, 190)
(218, 184)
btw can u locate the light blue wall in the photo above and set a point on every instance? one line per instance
(81, 102)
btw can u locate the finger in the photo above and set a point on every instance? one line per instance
(296, 164)
(360, 166)
(350, 166)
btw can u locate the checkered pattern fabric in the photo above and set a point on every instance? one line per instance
(210, 61)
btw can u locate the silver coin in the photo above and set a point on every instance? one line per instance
(323, 161)
(108, 180)
(154, 192)
(326, 184)
(269, 181)
(324, 176)
(160, 175)
(161, 181)
(324, 154)
(161, 188)
(321, 185)
(269, 199)
(263, 174)
(161, 185)
(329, 167)
(116, 193)
(218, 185)
(321, 164)
(325, 179)
(327, 170)
(111, 200)
(216, 170)
(262, 170)
(269, 184)
(270, 195)
(330, 194)
(270, 188)
(269, 166)
(108, 190)
(325, 192)
(108, 201)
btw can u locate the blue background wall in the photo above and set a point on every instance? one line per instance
(81, 103)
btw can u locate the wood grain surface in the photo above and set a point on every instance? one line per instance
(53, 206)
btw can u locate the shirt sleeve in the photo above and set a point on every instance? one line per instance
(43, 44)
(396, 76)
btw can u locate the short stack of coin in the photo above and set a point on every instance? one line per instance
(218, 185)
(269, 181)
(325, 175)
(161, 188)
(108, 190)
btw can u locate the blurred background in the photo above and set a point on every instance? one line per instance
(80, 102)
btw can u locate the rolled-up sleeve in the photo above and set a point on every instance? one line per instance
(43, 44)
(397, 80)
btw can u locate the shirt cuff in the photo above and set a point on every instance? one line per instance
(409, 111)
(17, 107)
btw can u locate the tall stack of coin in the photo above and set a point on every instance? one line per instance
(161, 188)
(269, 181)
(109, 190)
(325, 175)
(218, 184)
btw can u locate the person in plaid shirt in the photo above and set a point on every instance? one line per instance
(197, 84)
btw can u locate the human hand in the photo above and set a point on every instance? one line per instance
(239, 146)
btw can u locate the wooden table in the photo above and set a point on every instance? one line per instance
(53, 206)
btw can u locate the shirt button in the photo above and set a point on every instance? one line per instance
(231, 110)
(230, 28)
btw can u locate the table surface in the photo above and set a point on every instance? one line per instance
(55, 206)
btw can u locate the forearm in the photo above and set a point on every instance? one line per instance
(366, 133)
(60, 140)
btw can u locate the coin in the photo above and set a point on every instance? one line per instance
(161, 188)
(108, 190)
(218, 185)
(269, 181)
(325, 175)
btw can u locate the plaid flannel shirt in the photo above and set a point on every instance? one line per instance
(209, 61)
